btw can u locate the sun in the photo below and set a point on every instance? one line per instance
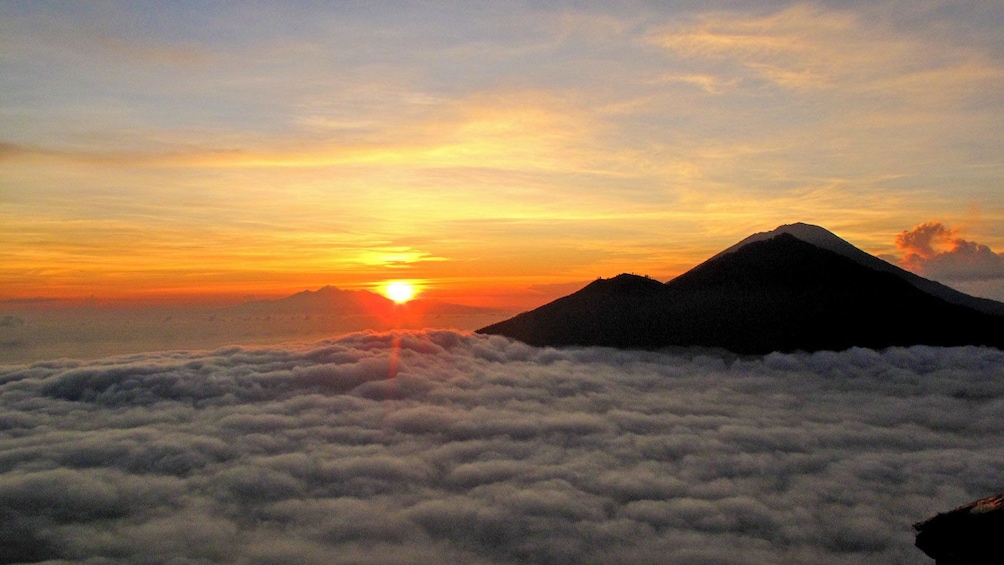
(399, 292)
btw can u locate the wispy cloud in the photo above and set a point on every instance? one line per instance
(396, 257)
(806, 47)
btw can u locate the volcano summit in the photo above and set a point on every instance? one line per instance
(798, 287)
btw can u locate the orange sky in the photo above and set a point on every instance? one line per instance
(494, 155)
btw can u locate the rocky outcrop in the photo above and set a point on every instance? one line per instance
(968, 535)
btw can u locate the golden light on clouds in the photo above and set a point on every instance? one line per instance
(808, 47)
(395, 257)
(538, 146)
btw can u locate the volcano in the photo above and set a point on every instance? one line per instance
(796, 288)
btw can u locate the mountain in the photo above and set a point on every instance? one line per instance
(353, 310)
(325, 300)
(821, 237)
(771, 292)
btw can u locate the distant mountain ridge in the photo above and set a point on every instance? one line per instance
(331, 300)
(770, 292)
(327, 299)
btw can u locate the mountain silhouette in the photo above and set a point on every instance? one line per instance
(821, 237)
(354, 310)
(325, 300)
(771, 292)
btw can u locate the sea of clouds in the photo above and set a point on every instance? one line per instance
(440, 447)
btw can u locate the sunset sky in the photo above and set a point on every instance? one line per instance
(493, 152)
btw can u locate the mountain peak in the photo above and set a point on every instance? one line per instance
(624, 283)
(809, 233)
(825, 239)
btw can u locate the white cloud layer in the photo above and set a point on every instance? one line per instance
(441, 447)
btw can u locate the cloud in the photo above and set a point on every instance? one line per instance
(706, 82)
(485, 450)
(807, 48)
(933, 250)
(396, 257)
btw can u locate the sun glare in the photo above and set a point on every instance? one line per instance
(399, 292)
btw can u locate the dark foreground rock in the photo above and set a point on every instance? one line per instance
(969, 535)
